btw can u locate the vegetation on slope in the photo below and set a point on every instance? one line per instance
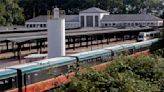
(126, 74)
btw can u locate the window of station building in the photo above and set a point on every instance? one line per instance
(132, 24)
(152, 24)
(148, 24)
(38, 25)
(109, 24)
(128, 24)
(44, 25)
(106, 24)
(30, 25)
(27, 25)
(140, 24)
(124, 24)
(136, 24)
(114, 24)
(96, 21)
(33, 25)
(41, 25)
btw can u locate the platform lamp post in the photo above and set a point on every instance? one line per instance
(102, 41)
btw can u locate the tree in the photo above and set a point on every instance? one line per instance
(34, 8)
(136, 6)
(10, 12)
(125, 74)
(2, 13)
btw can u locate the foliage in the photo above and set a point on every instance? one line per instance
(34, 8)
(160, 52)
(10, 12)
(144, 74)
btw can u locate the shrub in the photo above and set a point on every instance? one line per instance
(143, 74)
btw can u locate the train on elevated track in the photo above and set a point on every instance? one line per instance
(39, 76)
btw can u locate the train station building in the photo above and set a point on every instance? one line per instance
(95, 17)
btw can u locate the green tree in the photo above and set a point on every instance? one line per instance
(2, 13)
(137, 5)
(10, 12)
(34, 8)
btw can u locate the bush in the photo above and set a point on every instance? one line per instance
(159, 52)
(144, 74)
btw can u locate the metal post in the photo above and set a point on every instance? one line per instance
(19, 52)
(87, 41)
(7, 45)
(19, 77)
(74, 43)
(40, 47)
(97, 40)
(81, 41)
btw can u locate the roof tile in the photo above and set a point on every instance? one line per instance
(94, 10)
(130, 17)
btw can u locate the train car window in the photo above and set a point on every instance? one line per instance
(151, 35)
(62, 69)
(140, 36)
(89, 61)
(36, 74)
(2, 84)
(8, 83)
(39, 76)
(105, 58)
(46, 74)
(130, 51)
(83, 63)
(147, 35)
(28, 79)
(110, 56)
(14, 82)
(34, 77)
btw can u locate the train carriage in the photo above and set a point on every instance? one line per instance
(40, 71)
(8, 76)
(34, 72)
(49, 68)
